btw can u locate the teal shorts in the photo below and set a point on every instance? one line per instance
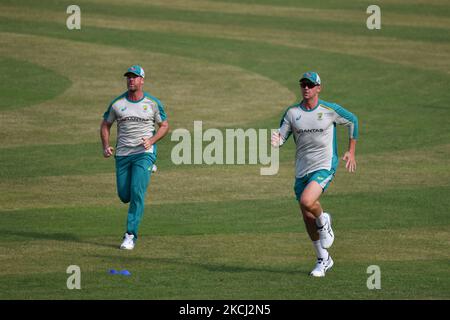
(322, 177)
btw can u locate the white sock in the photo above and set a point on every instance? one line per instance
(321, 220)
(320, 252)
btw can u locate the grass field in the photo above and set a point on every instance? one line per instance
(223, 232)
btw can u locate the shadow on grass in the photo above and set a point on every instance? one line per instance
(58, 236)
(210, 267)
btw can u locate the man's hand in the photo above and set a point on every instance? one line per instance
(277, 141)
(108, 152)
(147, 143)
(349, 157)
(105, 128)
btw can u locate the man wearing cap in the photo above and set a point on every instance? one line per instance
(137, 114)
(313, 125)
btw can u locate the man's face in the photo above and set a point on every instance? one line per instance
(134, 82)
(309, 89)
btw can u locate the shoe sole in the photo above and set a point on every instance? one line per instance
(125, 248)
(314, 276)
(329, 246)
(329, 266)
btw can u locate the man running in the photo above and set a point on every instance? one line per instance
(313, 125)
(137, 114)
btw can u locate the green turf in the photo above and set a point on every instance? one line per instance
(223, 232)
(24, 84)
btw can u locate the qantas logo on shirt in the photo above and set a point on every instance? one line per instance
(133, 119)
(309, 130)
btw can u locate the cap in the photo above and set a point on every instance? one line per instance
(311, 76)
(137, 70)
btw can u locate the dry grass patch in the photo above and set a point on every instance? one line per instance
(228, 251)
(341, 15)
(186, 87)
(403, 169)
(434, 56)
(173, 186)
(412, 244)
(189, 183)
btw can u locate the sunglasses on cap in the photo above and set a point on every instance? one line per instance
(308, 84)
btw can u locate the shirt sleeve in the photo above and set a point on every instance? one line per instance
(160, 115)
(110, 115)
(348, 119)
(285, 127)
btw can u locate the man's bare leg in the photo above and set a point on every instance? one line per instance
(311, 208)
(314, 216)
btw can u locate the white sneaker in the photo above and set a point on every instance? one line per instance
(128, 242)
(326, 234)
(322, 266)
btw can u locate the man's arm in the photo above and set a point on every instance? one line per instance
(105, 129)
(280, 136)
(349, 156)
(162, 131)
(346, 118)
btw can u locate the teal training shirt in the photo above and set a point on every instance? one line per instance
(314, 133)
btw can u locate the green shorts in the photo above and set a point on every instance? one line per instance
(322, 177)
